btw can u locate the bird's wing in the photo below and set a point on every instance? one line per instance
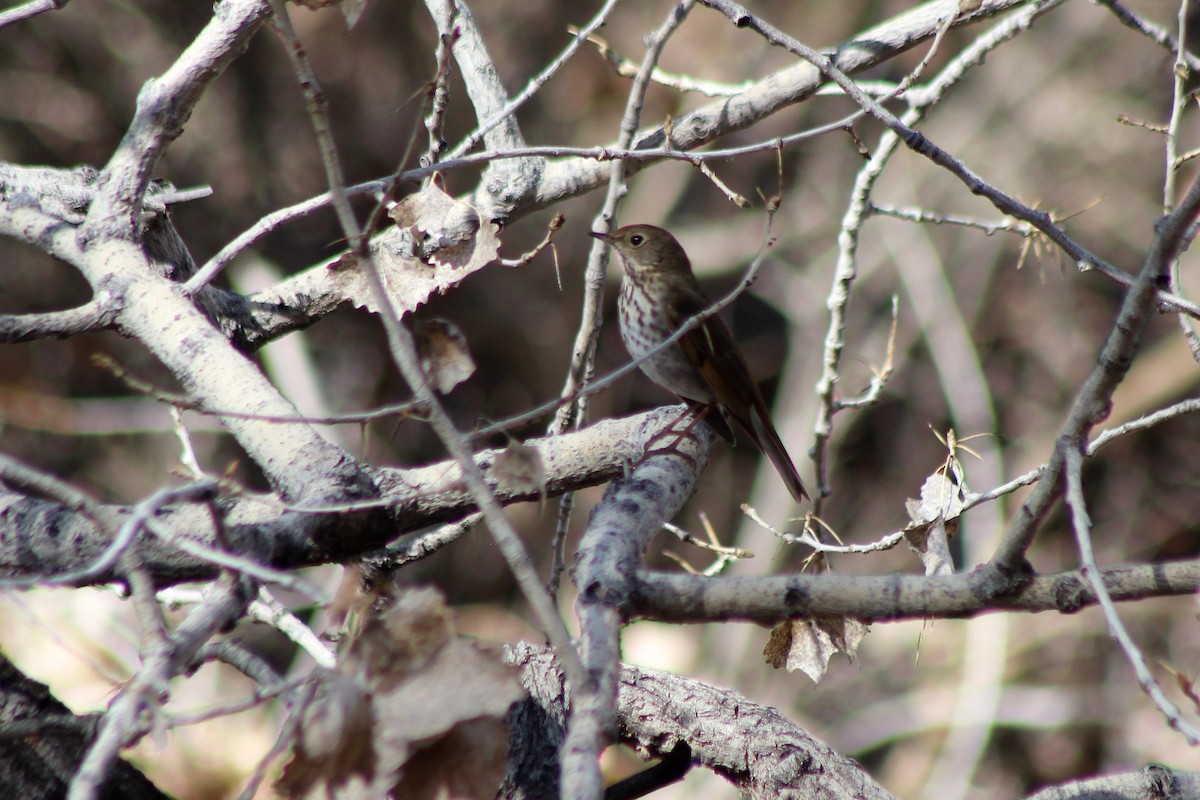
(711, 348)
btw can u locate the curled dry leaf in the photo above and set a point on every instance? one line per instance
(519, 469)
(444, 232)
(445, 359)
(935, 517)
(333, 746)
(807, 644)
(436, 242)
(352, 10)
(931, 543)
(409, 705)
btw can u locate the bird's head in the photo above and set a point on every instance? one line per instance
(645, 248)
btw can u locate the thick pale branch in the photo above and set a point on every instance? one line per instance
(134, 285)
(779, 90)
(757, 749)
(1154, 780)
(626, 520)
(41, 538)
(164, 105)
(505, 184)
(93, 316)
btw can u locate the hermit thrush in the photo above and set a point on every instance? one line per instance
(705, 368)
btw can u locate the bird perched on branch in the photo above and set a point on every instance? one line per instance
(705, 368)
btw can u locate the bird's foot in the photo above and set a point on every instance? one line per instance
(673, 437)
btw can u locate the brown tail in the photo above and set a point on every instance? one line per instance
(768, 441)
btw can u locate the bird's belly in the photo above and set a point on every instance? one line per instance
(668, 368)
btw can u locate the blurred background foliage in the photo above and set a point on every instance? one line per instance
(994, 337)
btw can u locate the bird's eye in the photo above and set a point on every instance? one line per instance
(636, 239)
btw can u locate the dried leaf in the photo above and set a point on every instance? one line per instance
(935, 517)
(518, 468)
(1187, 685)
(445, 232)
(335, 745)
(409, 705)
(398, 642)
(353, 10)
(445, 359)
(436, 243)
(942, 495)
(807, 644)
(931, 543)
(349, 595)
(439, 774)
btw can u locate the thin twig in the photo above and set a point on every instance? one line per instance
(318, 114)
(29, 10)
(403, 350)
(239, 564)
(1155, 33)
(534, 85)
(594, 712)
(268, 610)
(627, 68)
(1179, 100)
(860, 205)
(1081, 524)
(225, 603)
(439, 101)
(282, 743)
(185, 403)
(926, 217)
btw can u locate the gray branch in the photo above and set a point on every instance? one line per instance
(761, 752)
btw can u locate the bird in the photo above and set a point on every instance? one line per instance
(705, 368)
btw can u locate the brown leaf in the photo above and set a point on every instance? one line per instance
(445, 232)
(436, 243)
(935, 517)
(518, 468)
(1187, 686)
(439, 774)
(335, 743)
(434, 702)
(401, 640)
(807, 644)
(352, 10)
(445, 359)
(931, 543)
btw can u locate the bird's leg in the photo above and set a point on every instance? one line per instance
(698, 413)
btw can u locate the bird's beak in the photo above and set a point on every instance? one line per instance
(601, 236)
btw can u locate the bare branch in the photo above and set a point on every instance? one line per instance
(693, 599)
(121, 725)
